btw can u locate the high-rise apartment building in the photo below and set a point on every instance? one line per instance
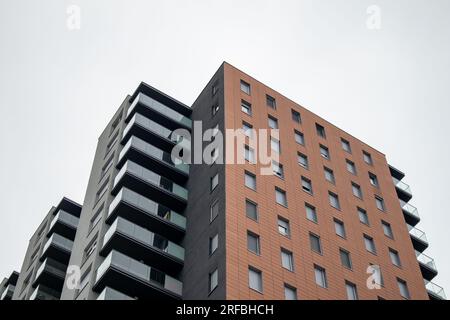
(332, 221)
(8, 286)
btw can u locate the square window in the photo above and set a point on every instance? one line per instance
(214, 212)
(387, 229)
(363, 217)
(356, 189)
(311, 213)
(250, 180)
(324, 152)
(395, 257)
(345, 258)
(373, 179)
(320, 130)
(334, 200)
(271, 103)
(290, 293)
(280, 196)
(314, 241)
(367, 158)
(346, 145)
(307, 185)
(246, 107)
(273, 122)
(213, 280)
(245, 87)
(253, 242)
(302, 160)
(320, 276)
(283, 227)
(352, 294)
(299, 137)
(213, 243)
(339, 227)
(255, 279)
(380, 203)
(351, 167)
(287, 260)
(403, 287)
(296, 116)
(275, 145)
(329, 175)
(370, 244)
(214, 181)
(251, 210)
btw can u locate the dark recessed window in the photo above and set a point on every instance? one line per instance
(311, 213)
(339, 227)
(314, 241)
(329, 175)
(271, 103)
(280, 196)
(246, 107)
(373, 179)
(296, 116)
(251, 210)
(277, 169)
(346, 145)
(367, 158)
(395, 257)
(302, 160)
(307, 185)
(380, 203)
(299, 137)
(352, 293)
(287, 260)
(255, 280)
(214, 210)
(356, 189)
(320, 276)
(273, 122)
(213, 243)
(320, 130)
(250, 180)
(370, 244)
(290, 293)
(387, 229)
(334, 200)
(324, 152)
(283, 227)
(362, 215)
(253, 242)
(245, 87)
(351, 167)
(345, 258)
(213, 280)
(403, 287)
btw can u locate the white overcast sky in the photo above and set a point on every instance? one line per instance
(58, 88)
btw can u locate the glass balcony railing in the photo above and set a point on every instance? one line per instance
(435, 289)
(151, 126)
(148, 206)
(419, 234)
(111, 294)
(58, 241)
(410, 209)
(401, 185)
(151, 178)
(145, 237)
(160, 108)
(44, 293)
(153, 152)
(52, 266)
(65, 218)
(139, 270)
(9, 291)
(426, 260)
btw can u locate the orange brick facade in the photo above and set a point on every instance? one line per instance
(239, 258)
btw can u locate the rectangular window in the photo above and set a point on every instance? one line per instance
(245, 87)
(320, 276)
(112, 142)
(299, 137)
(273, 122)
(334, 200)
(271, 103)
(367, 158)
(302, 160)
(287, 260)
(249, 154)
(248, 129)
(324, 152)
(250, 180)
(246, 107)
(290, 293)
(255, 280)
(356, 189)
(373, 179)
(101, 191)
(214, 181)
(320, 130)
(329, 175)
(351, 166)
(339, 227)
(214, 109)
(275, 145)
(251, 210)
(213, 243)
(387, 229)
(214, 212)
(116, 122)
(346, 145)
(363, 217)
(395, 257)
(296, 116)
(311, 213)
(345, 258)
(96, 217)
(277, 169)
(106, 166)
(380, 203)
(370, 244)
(215, 89)
(84, 280)
(280, 196)
(253, 242)
(283, 227)
(352, 294)
(403, 287)
(314, 241)
(307, 185)
(213, 280)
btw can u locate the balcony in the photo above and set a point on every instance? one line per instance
(58, 248)
(64, 224)
(141, 280)
(410, 213)
(8, 293)
(51, 273)
(403, 190)
(144, 245)
(435, 292)
(151, 157)
(111, 294)
(69, 206)
(161, 113)
(427, 266)
(142, 180)
(418, 238)
(44, 293)
(146, 213)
